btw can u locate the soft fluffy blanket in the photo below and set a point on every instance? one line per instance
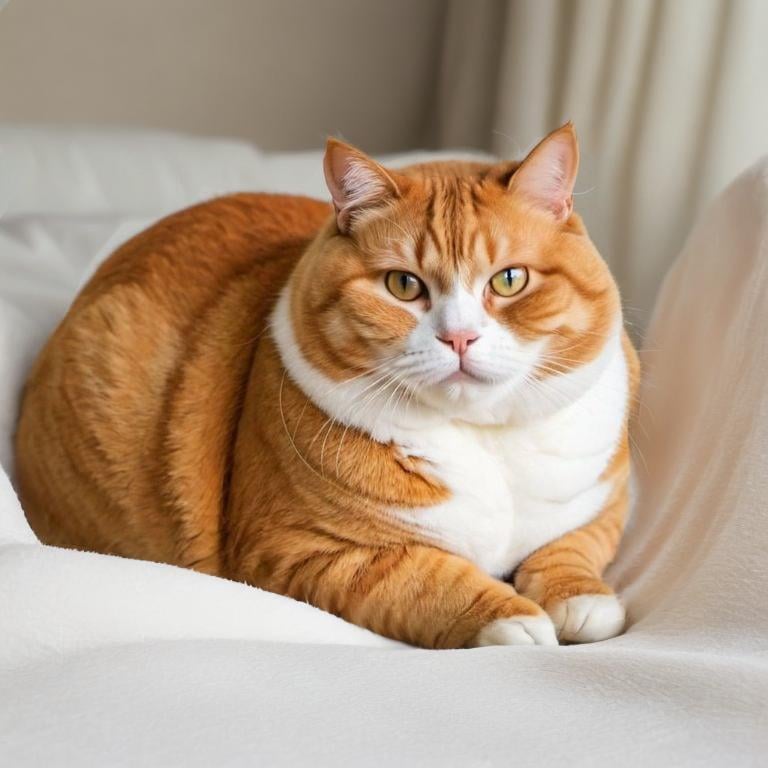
(106, 661)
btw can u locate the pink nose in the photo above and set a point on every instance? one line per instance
(459, 340)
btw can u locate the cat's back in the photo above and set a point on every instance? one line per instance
(185, 257)
(130, 408)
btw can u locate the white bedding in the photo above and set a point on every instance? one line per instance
(105, 661)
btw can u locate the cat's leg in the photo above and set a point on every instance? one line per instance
(565, 577)
(421, 595)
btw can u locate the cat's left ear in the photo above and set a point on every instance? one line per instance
(547, 176)
(355, 181)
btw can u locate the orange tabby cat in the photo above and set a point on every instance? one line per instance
(410, 411)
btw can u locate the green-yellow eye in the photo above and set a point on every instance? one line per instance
(404, 285)
(509, 281)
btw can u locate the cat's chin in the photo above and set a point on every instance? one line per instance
(462, 386)
(467, 397)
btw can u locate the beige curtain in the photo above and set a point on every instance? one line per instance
(670, 99)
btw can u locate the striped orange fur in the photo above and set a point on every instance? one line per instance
(230, 392)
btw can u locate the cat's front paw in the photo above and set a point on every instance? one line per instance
(588, 618)
(517, 630)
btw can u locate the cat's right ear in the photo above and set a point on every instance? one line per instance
(546, 177)
(355, 181)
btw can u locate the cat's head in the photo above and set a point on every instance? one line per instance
(457, 286)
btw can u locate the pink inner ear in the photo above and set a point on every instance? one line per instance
(354, 181)
(547, 176)
(360, 183)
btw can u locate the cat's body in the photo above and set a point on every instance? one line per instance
(217, 397)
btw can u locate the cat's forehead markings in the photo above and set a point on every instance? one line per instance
(450, 239)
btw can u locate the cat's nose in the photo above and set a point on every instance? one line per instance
(459, 340)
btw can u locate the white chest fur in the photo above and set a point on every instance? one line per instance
(515, 489)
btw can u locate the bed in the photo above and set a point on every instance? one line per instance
(109, 661)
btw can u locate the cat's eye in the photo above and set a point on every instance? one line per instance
(404, 285)
(509, 281)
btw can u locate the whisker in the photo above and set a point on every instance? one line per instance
(290, 440)
(361, 408)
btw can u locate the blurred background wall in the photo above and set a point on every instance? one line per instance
(670, 97)
(281, 73)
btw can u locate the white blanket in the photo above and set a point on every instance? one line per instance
(105, 661)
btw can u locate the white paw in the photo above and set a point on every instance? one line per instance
(519, 630)
(588, 618)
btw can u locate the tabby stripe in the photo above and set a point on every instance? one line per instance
(419, 248)
(577, 285)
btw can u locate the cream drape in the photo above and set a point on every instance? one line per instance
(669, 97)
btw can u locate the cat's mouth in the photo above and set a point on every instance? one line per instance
(462, 376)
